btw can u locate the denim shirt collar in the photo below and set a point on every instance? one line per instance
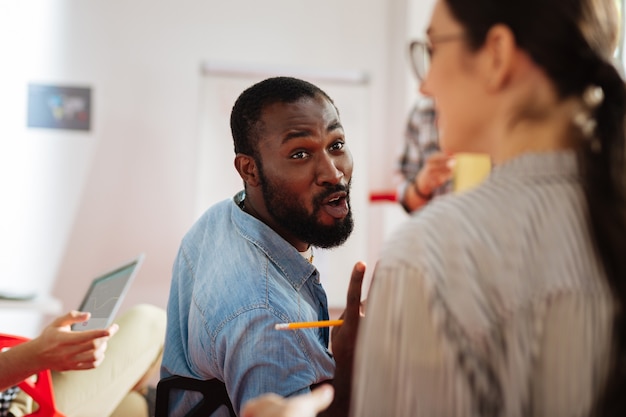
(295, 268)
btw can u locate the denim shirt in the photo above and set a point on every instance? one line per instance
(233, 280)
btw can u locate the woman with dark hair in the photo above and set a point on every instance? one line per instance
(509, 299)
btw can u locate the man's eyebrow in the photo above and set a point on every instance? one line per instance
(303, 133)
(334, 126)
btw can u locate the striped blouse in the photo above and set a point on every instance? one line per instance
(489, 303)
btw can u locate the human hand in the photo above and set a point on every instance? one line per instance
(273, 405)
(437, 169)
(343, 344)
(61, 349)
(344, 336)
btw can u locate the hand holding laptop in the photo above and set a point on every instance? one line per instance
(60, 346)
(57, 348)
(61, 349)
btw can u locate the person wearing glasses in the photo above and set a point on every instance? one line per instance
(508, 300)
(426, 170)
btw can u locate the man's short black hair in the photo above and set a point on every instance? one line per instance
(245, 123)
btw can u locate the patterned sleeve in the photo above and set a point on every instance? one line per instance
(421, 140)
(6, 398)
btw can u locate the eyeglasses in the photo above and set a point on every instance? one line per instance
(420, 53)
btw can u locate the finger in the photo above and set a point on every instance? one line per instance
(353, 302)
(87, 335)
(94, 356)
(438, 158)
(435, 166)
(94, 336)
(88, 338)
(362, 308)
(70, 318)
(440, 178)
(319, 399)
(74, 364)
(438, 171)
(71, 355)
(81, 357)
(81, 366)
(264, 405)
(113, 329)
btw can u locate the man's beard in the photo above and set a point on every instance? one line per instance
(288, 213)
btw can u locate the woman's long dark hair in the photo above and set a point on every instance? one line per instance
(558, 35)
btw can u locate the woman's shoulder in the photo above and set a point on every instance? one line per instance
(453, 221)
(460, 244)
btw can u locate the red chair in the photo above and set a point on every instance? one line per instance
(41, 389)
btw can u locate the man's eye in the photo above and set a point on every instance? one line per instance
(337, 146)
(299, 155)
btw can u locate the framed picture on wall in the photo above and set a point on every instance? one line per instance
(59, 107)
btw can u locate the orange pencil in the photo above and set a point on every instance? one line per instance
(308, 324)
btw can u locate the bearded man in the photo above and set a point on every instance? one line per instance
(247, 264)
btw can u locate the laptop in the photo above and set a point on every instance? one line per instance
(106, 293)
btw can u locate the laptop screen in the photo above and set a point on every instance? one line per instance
(105, 295)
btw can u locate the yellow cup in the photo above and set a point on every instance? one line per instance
(469, 170)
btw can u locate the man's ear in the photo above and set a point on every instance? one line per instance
(500, 52)
(247, 169)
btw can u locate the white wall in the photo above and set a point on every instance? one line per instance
(76, 204)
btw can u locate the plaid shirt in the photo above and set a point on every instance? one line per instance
(421, 139)
(6, 398)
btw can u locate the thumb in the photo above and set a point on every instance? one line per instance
(319, 399)
(70, 318)
(353, 302)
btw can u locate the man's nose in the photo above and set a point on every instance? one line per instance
(329, 171)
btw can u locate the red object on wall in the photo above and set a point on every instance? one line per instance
(383, 195)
